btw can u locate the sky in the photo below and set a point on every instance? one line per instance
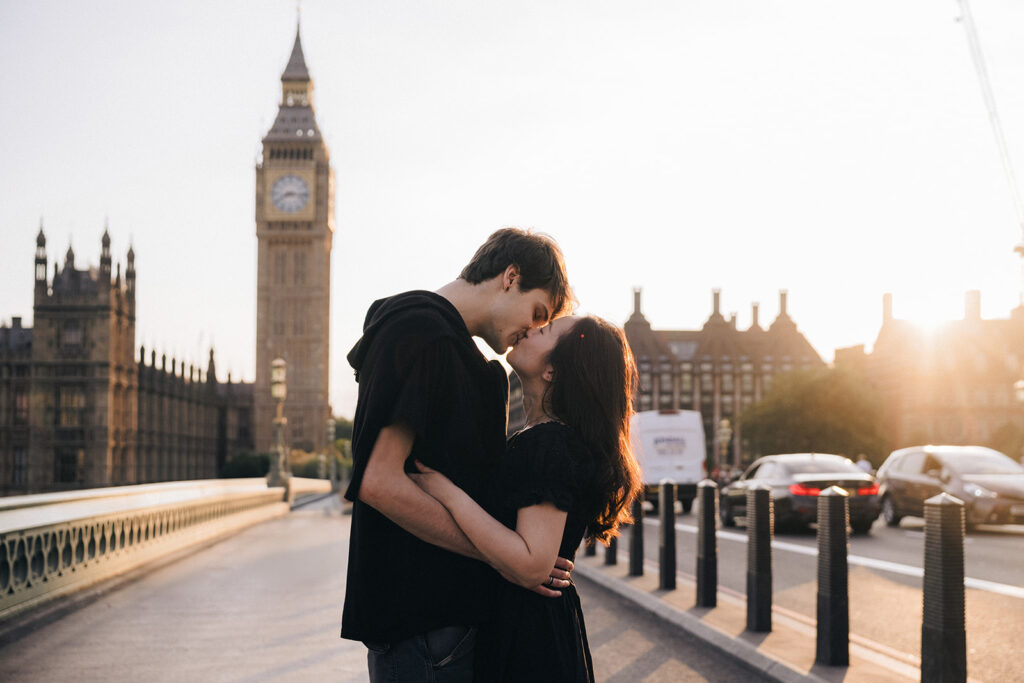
(837, 150)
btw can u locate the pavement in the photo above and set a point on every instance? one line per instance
(265, 605)
(785, 654)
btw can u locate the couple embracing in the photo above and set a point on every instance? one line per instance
(461, 546)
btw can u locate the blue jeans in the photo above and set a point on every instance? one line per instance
(444, 655)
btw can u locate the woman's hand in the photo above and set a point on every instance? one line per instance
(433, 482)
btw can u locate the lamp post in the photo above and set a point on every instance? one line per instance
(329, 453)
(724, 434)
(1018, 393)
(278, 474)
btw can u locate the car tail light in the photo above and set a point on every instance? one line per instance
(801, 490)
(868, 490)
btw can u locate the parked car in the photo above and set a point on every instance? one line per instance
(796, 480)
(990, 483)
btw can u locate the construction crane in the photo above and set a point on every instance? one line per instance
(978, 58)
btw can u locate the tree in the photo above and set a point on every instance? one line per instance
(817, 411)
(1009, 439)
(342, 428)
(246, 464)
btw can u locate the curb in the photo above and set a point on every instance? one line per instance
(735, 648)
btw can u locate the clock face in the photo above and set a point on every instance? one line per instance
(289, 193)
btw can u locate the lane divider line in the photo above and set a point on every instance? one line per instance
(862, 561)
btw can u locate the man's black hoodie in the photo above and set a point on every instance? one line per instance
(417, 365)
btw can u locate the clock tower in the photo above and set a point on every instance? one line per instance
(294, 231)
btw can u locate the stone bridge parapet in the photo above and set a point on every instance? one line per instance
(53, 544)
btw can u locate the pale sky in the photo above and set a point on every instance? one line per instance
(838, 150)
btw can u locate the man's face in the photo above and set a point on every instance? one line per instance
(529, 357)
(514, 313)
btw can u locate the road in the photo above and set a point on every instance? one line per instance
(884, 585)
(265, 605)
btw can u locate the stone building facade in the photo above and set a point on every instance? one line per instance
(718, 370)
(79, 409)
(951, 385)
(294, 231)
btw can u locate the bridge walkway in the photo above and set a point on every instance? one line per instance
(265, 605)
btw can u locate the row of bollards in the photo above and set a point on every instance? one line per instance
(943, 632)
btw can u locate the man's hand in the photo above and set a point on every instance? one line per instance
(559, 578)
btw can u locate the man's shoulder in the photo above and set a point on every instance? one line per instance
(418, 311)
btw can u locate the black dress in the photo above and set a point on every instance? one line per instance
(531, 637)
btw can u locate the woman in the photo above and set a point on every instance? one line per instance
(569, 474)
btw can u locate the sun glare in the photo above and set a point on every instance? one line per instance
(928, 314)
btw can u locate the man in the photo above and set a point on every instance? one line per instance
(415, 593)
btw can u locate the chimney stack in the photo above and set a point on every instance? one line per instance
(886, 308)
(783, 294)
(636, 300)
(716, 295)
(972, 305)
(754, 309)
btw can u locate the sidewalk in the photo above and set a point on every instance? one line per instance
(786, 654)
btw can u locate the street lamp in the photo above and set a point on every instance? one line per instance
(1018, 392)
(278, 474)
(332, 466)
(724, 434)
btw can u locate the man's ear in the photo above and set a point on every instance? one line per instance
(510, 277)
(549, 373)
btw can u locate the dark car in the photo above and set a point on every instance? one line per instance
(989, 482)
(796, 479)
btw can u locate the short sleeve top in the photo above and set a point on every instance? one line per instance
(548, 463)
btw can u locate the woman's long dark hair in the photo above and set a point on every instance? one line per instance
(592, 391)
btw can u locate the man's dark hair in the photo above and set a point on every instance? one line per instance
(538, 258)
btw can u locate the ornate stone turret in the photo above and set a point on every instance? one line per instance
(211, 370)
(129, 277)
(105, 255)
(41, 264)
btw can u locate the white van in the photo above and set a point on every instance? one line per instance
(669, 444)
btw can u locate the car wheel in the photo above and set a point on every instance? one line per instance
(862, 526)
(654, 505)
(725, 513)
(889, 512)
(687, 504)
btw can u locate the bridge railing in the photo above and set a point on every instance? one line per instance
(53, 544)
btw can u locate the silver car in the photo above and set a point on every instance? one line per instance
(989, 482)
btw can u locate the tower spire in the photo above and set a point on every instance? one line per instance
(296, 69)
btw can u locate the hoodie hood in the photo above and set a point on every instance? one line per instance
(419, 302)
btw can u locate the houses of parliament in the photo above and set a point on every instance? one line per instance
(81, 406)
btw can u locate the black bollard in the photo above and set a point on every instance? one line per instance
(667, 536)
(707, 544)
(636, 539)
(760, 523)
(590, 549)
(943, 633)
(833, 647)
(611, 551)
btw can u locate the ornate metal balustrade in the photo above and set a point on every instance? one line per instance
(53, 544)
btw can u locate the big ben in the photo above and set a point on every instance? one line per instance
(294, 231)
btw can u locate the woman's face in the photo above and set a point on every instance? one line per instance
(529, 356)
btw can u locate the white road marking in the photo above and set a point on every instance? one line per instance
(860, 560)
